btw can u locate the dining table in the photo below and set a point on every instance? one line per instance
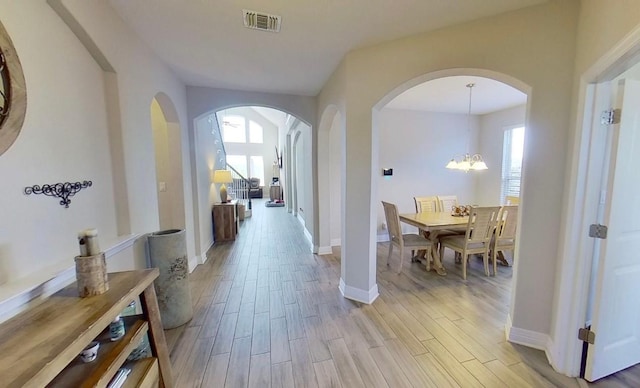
(433, 222)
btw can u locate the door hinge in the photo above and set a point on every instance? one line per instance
(598, 231)
(611, 116)
(586, 335)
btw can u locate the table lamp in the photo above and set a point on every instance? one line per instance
(222, 176)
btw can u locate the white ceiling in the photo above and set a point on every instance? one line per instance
(206, 44)
(451, 95)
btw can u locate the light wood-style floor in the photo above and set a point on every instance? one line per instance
(269, 313)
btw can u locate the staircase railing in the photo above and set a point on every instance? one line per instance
(239, 188)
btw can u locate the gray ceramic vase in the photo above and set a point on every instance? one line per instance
(168, 253)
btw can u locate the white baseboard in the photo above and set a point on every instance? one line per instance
(357, 294)
(323, 251)
(17, 295)
(532, 339)
(309, 238)
(194, 262)
(336, 242)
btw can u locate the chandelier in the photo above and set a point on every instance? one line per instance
(467, 161)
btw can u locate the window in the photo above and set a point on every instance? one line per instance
(238, 162)
(255, 132)
(257, 168)
(512, 162)
(233, 129)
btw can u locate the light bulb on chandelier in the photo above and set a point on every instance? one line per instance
(467, 161)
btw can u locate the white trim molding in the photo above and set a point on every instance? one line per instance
(17, 295)
(323, 250)
(532, 339)
(357, 294)
(336, 242)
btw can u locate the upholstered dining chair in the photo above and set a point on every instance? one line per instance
(505, 236)
(411, 241)
(446, 202)
(477, 238)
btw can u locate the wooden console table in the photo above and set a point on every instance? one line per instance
(275, 192)
(225, 221)
(40, 346)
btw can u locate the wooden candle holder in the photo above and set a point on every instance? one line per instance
(91, 275)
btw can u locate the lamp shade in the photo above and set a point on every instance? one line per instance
(222, 176)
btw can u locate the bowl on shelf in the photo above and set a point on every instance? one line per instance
(90, 352)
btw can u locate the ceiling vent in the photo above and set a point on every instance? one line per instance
(261, 21)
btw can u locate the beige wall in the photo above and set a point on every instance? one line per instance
(88, 117)
(64, 139)
(534, 48)
(160, 140)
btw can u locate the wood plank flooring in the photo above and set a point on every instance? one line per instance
(268, 313)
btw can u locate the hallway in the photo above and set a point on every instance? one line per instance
(269, 313)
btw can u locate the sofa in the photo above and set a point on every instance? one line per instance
(255, 190)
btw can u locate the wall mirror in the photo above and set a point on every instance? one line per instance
(13, 96)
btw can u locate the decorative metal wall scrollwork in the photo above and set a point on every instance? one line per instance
(64, 191)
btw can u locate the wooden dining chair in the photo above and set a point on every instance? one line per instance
(431, 204)
(505, 236)
(426, 204)
(412, 241)
(477, 238)
(447, 202)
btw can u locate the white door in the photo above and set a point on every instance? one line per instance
(616, 310)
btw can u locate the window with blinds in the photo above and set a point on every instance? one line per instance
(513, 147)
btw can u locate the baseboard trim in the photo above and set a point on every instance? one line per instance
(382, 238)
(357, 294)
(532, 339)
(324, 250)
(336, 242)
(309, 237)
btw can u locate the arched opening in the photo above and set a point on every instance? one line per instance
(168, 160)
(257, 144)
(330, 178)
(417, 141)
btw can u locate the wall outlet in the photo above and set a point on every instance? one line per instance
(162, 186)
(383, 226)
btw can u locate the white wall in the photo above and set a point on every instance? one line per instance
(418, 145)
(208, 156)
(491, 140)
(336, 136)
(606, 32)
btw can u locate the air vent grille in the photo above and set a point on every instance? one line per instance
(261, 21)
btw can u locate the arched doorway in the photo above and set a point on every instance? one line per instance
(475, 189)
